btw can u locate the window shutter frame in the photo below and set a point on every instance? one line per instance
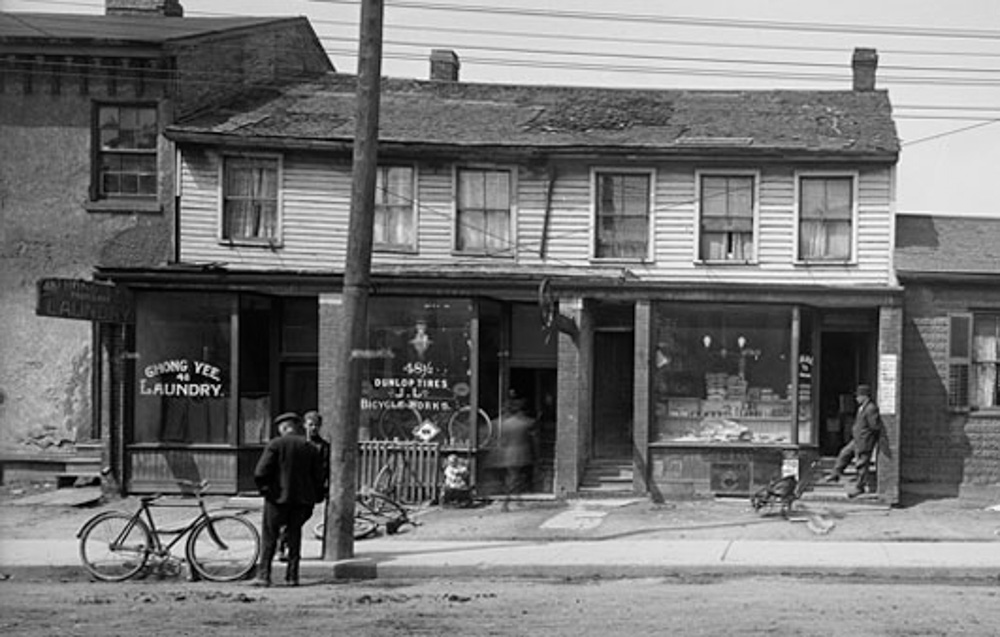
(959, 367)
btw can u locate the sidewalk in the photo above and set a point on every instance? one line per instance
(930, 539)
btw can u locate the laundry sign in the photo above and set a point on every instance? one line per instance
(181, 377)
(84, 300)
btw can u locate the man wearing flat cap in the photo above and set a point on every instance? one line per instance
(866, 433)
(290, 476)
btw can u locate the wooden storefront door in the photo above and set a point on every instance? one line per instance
(613, 380)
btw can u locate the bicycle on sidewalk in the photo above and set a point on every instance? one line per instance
(221, 546)
(371, 511)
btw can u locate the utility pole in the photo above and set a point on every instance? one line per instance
(338, 542)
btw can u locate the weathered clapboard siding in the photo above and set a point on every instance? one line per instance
(315, 194)
(675, 201)
(316, 202)
(435, 213)
(569, 233)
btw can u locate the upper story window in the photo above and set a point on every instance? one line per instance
(395, 228)
(250, 199)
(483, 214)
(622, 215)
(126, 151)
(727, 218)
(826, 218)
(974, 361)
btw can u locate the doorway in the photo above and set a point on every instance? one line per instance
(613, 384)
(845, 363)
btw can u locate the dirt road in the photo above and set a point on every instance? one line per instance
(704, 606)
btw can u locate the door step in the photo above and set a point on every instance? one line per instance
(607, 478)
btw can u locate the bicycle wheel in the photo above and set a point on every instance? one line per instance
(397, 424)
(460, 433)
(381, 509)
(114, 546)
(223, 548)
(364, 528)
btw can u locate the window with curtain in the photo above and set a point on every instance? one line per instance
(826, 211)
(250, 199)
(483, 212)
(727, 209)
(974, 360)
(622, 215)
(126, 151)
(394, 209)
(986, 359)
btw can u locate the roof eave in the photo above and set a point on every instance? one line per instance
(678, 151)
(939, 276)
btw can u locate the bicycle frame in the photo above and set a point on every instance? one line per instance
(163, 550)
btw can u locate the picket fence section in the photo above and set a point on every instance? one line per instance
(408, 471)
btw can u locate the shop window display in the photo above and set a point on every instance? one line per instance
(418, 372)
(182, 372)
(723, 374)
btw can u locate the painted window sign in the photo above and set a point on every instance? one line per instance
(422, 380)
(182, 377)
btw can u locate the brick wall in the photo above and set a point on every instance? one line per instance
(215, 70)
(938, 447)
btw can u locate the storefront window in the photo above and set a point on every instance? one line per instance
(723, 374)
(182, 372)
(255, 369)
(418, 383)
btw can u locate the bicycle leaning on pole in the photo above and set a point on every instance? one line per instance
(221, 546)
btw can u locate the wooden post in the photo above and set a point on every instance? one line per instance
(338, 538)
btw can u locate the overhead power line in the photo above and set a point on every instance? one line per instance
(660, 42)
(727, 23)
(692, 71)
(676, 58)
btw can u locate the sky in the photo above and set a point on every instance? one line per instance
(940, 62)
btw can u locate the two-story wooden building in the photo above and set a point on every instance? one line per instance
(686, 286)
(86, 178)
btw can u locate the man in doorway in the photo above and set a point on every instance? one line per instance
(865, 435)
(289, 476)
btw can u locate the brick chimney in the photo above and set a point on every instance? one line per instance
(444, 65)
(864, 63)
(166, 8)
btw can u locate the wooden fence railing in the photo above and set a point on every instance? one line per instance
(405, 470)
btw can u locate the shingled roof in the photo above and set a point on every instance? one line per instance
(933, 245)
(825, 124)
(34, 29)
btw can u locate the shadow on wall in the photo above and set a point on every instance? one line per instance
(182, 466)
(934, 446)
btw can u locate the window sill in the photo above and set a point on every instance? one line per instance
(394, 249)
(506, 255)
(991, 413)
(620, 260)
(831, 263)
(250, 243)
(124, 206)
(723, 262)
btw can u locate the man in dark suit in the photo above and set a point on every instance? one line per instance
(289, 475)
(866, 433)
